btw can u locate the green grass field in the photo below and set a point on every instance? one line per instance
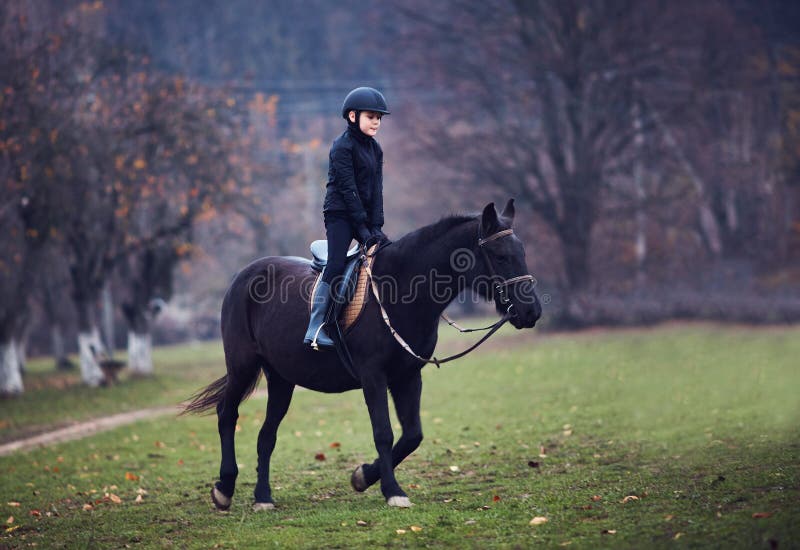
(683, 435)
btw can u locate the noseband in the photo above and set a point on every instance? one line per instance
(499, 284)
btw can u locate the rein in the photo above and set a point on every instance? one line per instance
(499, 288)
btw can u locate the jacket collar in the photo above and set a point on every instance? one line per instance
(356, 132)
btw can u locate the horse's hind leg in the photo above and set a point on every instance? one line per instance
(239, 382)
(406, 396)
(279, 396)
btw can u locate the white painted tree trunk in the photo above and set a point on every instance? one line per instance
(10, 372)
(90, 369)
(140, 356)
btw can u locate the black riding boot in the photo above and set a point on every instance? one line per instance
(316, 335)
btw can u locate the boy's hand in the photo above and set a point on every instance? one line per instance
(379, 236)
(362, 234)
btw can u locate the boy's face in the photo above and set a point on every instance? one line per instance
(369, 123)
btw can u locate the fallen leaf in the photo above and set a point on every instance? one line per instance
(533, 464)
(677, 536)
(608, 532)
(484, 507)
(160, 444)
(761, 515)
(14, 528)
(13, 504)
(413, 486)
(180, 462)
(629, 498)
(470, 522)
(542, 451)
(131, 476)
(87, 507)
(335, 445)
(455, 469)
(361, 523)
(668, 517)
(495, 498)
(138, 498)
(115, 499)
(401, 531)
(10, 520)
(597, 498)
(416, 528)
(319, 456)
(538, 520)
(35, 513)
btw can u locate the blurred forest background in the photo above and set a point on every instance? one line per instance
(149, 149)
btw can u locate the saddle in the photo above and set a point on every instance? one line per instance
(352, 293)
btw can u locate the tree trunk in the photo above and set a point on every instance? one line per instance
(10, 372)
(140, 356)
(108, 317)
(57, 347)
(91, 348)
(576, 261)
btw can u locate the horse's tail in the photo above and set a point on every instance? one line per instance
(208, 397)
(216, 392)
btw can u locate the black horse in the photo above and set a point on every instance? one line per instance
(265, 313)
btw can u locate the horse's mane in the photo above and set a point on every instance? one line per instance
(427, 233)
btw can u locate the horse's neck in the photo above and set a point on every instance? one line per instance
(424, 271)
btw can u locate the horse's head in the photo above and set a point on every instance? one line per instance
(504, 275)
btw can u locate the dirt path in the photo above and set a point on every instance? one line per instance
(84, 429)
(91, 427)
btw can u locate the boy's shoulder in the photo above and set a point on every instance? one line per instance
(344, 141)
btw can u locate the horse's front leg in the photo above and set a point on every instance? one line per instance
(406, 395)
(375, 394)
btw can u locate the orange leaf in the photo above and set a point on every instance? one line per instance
(131, 476)
(335, 445)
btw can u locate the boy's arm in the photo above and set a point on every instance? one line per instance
(342, 161)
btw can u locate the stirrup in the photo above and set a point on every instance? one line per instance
(314, 344)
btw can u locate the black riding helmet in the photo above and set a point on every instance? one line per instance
(364, 99)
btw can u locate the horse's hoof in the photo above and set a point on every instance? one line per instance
(260, 506)
(220, 501)
(399, 502)
(357, 479)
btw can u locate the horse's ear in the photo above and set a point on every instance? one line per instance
(489, 219)
(508, 211)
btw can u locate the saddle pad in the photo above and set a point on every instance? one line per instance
(352, 311)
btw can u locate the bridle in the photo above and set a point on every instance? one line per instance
(498, 284)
